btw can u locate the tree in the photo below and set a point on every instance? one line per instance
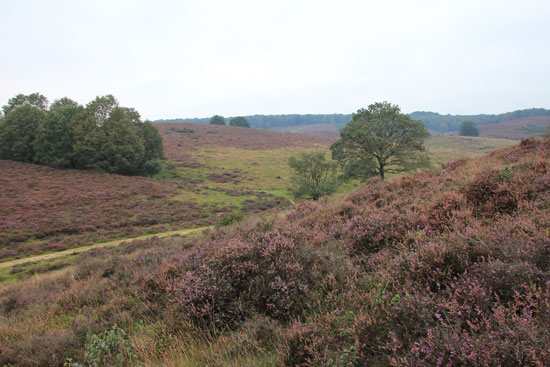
(239, 121)
(380, 140)
(55, 137)
(88, 133)
(18, 131)
(152, 167)
(152, 141)
(63, 103)
(121, 150)
(469, 128)
(217, 120)
(36, 100)
(313, 175)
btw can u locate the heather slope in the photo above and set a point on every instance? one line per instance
(446, 267)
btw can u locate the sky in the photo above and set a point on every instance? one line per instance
(197, 58)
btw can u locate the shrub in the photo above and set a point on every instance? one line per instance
(446, 210)
(110, 348)
(152, 167)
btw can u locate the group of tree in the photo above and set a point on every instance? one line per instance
(378, 140)
(239, 121)
(101, 135)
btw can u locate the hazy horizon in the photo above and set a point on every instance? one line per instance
(194, 59)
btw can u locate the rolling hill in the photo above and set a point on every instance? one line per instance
(445, 267)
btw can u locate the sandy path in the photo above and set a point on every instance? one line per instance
(77, 250)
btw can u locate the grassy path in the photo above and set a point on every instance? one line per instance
(77, 250)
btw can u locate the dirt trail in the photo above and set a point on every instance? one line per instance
(77, 250)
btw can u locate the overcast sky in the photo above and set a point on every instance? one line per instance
(196, 58)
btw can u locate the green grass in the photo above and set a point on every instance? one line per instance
(26, 270)
(444, 148)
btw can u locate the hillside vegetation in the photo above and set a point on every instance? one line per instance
(210, 172)
(445, 267)
(517, 129)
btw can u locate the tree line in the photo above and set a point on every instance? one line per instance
(431, 120)
(65, 134)
(447, 123)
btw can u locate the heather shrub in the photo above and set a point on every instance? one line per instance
(270, 273)
(505, 338)
(372, 231)
(494, 192)
(448, 209)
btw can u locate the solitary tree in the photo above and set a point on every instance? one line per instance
(469, 128)
(217, 120)
(239, 121)
(380, 140)
(313, 175)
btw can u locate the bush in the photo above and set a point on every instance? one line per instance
(151, 168)
(110, 348)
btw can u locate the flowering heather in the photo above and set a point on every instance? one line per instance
(447, 267)
(181, 138)
(42, 208)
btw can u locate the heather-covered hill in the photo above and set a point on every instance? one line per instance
(317, 130)
(516, 129)
(442, 268)
(181, 138)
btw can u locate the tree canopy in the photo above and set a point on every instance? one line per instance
(313, 175)
(468, 128)
(36, 100)
(102, 135)
(217, 120)
(380, 140)
(18, 131)
(239, 121)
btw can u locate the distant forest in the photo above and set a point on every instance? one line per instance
(279, 121)
(432, 120)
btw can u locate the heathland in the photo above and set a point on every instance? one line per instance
(210, 173)
(446, 266)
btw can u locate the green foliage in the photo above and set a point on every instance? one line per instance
(63, 103)
(217, 120)
(54, 140)
(110, 348)
(36, 100)
(17, 132)
(313, 175)
(380, 140)
(102, 135)
(469, 128)
(152, 141)
(152, 167)
(121, 150)
(229, 219)
(239, 121)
